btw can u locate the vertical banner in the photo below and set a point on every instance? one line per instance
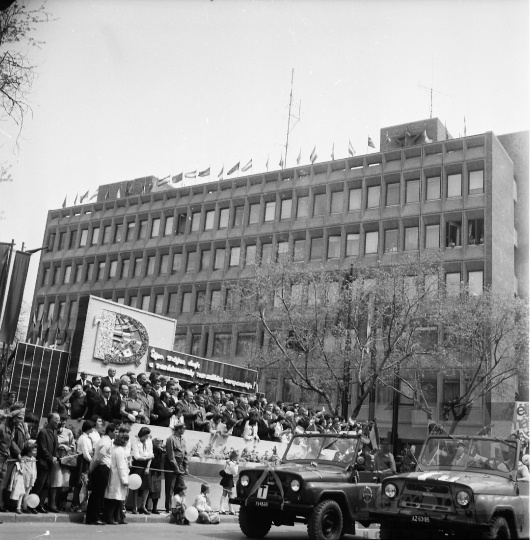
(15, 291)
(5, 253)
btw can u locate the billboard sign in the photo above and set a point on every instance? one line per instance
(120, 335)
(201, 370)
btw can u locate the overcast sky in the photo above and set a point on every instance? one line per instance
(130, 88)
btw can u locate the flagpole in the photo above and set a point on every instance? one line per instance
(289, 120)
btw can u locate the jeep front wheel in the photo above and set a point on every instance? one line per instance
(253, 524)
(498, 529)
(325, 522)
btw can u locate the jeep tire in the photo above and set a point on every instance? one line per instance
(325, 522)
(254, 524)
(498, 529)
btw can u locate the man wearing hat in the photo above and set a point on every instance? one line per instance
(176, 462)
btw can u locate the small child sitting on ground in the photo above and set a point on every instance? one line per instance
(178, 507)
(202, 503)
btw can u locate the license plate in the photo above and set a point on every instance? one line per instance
(262, 492)
(421, 519)
(262, 503)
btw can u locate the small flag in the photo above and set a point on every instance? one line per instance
(204, 173)
(94, 195)
(333, 152)
(149, 186)
(267, 164)
(75, 200)
(164, 181)
(281, 162)
(233, 169)
(220, 175)
(446, 133)
(351, 150)
(119, 193)
(247, 166)
(128, 189)
(374, 436)
(64, 203)
(465, 129)
(407, 132)
(107, 195)
(425, 137)
(191, 174)
(371, 143)
(388, 139)
(313, 155)
(177, 178)
(83, 197)
(299, 157)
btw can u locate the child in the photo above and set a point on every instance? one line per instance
(203, 505)
(227, 481)
(178, 507)
(24, 476)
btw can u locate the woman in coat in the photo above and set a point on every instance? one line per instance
(116, 491)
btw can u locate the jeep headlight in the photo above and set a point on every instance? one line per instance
(295, 485)
(390, 491)
(245, 480)
(462, 498)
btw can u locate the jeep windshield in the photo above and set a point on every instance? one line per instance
(472, 453)
(338, 450)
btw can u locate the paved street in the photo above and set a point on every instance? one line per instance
(139, 531)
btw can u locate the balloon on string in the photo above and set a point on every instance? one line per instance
(134, 481)
(32, 500)
(191, 514)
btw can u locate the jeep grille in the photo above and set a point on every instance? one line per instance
(422, 496)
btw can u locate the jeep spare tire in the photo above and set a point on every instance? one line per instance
(325, 522)
(253, 524)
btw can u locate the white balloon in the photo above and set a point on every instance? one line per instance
(32, 500)
(191, 514)
(134, 481)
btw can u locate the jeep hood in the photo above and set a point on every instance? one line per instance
(308, 473)
(479, 482)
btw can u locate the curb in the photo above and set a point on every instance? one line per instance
(66, 517)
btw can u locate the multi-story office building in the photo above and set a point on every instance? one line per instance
(172, 250)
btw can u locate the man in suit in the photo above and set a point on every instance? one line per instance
(148, 401)
(111, 381)
(83, 380)
(201, 422)
(188, 409)
(229, 415)
(93, 396)
(164, 410)
(47, 446)
(214, 405)
(104, 407)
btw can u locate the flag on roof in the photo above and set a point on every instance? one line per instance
(204, 173)
(425, 137)
(281, 161)
(351, 150)
(64, 202)
(267, 163)
(177, 178)
(333, 152)
(313, 155)
(107, 195)
(233, 169)
(94, 195)
(191, 174)
(388, 139)
(164, 181)
(299, 157)
(371, 143)
(128, 188)
(247, 166)
(465, 129)
(83, 197)
(119, 193)
(75, 200)
(220, 175)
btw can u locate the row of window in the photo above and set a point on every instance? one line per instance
(300, 207)
(220, 258)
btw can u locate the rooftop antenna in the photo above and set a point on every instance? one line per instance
(431, 89)
(289, 128)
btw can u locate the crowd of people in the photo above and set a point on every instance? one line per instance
(90, 469)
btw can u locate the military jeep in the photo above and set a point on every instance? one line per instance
(465, 487)
(316, 483)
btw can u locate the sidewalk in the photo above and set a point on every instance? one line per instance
(69, 517)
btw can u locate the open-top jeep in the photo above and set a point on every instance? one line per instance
(316, 483)
(465, 486)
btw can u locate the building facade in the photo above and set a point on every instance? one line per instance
(173, 250)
